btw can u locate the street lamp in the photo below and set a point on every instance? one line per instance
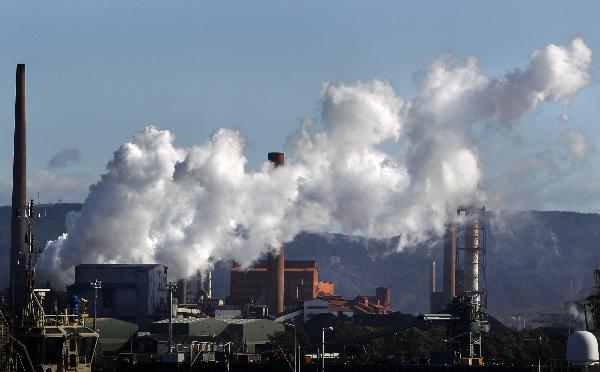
(171, 288)
(323, 348)
(96, 284)
(295, 345)
(539, 341)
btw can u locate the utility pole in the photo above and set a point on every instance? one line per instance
(96, 284)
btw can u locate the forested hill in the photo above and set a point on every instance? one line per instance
(535, 260)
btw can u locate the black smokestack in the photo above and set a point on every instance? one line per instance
(276, 264)
(19, 198)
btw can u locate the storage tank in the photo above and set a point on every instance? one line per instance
(582, 348)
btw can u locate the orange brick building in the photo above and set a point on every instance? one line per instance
(301, 283)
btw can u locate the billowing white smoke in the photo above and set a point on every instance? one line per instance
(180, 206)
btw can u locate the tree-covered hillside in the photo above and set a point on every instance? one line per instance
(535, 260)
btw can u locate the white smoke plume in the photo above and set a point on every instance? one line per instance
(577, 143)
(372, 163)
(576, 314)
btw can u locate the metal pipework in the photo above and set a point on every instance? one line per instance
(19, 198)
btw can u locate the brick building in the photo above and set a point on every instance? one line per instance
(301, 283)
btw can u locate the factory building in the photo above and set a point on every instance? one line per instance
(116, 335)
(338, 305)
(301, 283)
(437, 298)
(132, 292)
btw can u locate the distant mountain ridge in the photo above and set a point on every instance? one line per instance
(535, 260)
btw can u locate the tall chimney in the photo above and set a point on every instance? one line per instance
(19, 199)
(449, 263)
(276, 264)
(472, 256)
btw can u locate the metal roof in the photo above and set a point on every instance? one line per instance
(118, 266)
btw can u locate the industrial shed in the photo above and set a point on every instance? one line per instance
(115, 335)
(253, 333)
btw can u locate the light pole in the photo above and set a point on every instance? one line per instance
(323, 348)
(192, 360)
(539, 347)
(96, 284)
(295, 343)
(293, 325)
(171, 288)
(299, 358)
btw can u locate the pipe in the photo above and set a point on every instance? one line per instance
(276, 264)
(449, 263)
(19, 197)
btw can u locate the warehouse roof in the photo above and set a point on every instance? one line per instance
(117, 266)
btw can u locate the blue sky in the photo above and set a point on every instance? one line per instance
(97, 71)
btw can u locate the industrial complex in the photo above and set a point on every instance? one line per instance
(136, 316)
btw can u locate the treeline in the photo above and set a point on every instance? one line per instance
(415, 345)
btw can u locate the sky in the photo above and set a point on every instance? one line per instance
(99, 71)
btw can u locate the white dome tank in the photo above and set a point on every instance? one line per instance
(582, 348)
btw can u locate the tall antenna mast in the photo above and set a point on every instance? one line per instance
(34, 313)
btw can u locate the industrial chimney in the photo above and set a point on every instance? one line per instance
(276, 264)
(19, 199)
(449, 263)
(472, 257)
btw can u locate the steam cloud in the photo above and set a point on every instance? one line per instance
(180, 206)
(65, 158)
